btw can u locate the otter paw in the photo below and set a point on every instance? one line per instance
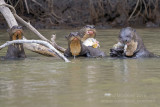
(118, 45)
(130, 48)
(116, 52)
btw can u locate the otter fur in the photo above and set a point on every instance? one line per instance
(76, 47)
(130, 44)
(15, 50)
(87, 31)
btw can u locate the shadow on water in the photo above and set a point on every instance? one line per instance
(89, 82)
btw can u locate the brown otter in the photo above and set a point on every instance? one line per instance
(15, 50)
(76, 48)
(129, 45)
(87, 31)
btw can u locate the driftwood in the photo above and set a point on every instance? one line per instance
(36, 41)
(34, 47)
(7, 15)
(29, 26)
(12, 22)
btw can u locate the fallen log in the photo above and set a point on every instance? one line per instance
(7, 15)
(12, 23)
(34, 47)
(39, 42)
(30, 27)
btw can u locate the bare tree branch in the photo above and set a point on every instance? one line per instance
(7, 15)
(134, 10)
(39, 42)
(29, 26)
(26, 6)
(41, 49)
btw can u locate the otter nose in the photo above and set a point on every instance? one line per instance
(125, 40)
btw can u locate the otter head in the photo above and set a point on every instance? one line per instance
(88, 31)
(16, 33)
(128, 37)
(74, 42)
(15, 50)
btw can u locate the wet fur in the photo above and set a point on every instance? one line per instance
(15, 50)
(75, 47)
(83, 32)
(130, 48)
(85, 51)
(135, 47)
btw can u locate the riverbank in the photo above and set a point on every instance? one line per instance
(56, 14)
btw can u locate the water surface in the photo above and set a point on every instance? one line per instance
(40, 81)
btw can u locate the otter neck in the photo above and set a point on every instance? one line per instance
(75, 47)
(86, 36)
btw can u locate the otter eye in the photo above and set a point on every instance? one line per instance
(128, 36)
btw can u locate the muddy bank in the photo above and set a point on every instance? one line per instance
(76, 13)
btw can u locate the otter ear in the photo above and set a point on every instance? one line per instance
(122, 30)
(66, 36)
(19, 27)
(134, 34)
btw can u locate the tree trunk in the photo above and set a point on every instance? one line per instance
(8, 15)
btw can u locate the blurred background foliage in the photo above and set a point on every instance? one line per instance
(76, 13)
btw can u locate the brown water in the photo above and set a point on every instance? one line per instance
(40, 81)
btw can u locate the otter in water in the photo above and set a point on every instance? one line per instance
(87, 31)
(15, 50)
(77, 48)
(130, 45)
(88, 34)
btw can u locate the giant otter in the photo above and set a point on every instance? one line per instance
(88, 34)
(15, 50)
(129, 45)
(87, 31)
(76, 47)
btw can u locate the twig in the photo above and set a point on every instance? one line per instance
(146, 11)
(37, 3)
(16, 4)
(54, 43)
(26, 6)
(134, 10)
(39, 42)
(139, 11)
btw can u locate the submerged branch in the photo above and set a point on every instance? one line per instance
(39, 42)
(37, 48)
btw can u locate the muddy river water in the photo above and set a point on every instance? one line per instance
(40, 81)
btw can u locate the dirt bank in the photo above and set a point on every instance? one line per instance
(75, 13)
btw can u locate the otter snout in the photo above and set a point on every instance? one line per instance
(125, 40)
